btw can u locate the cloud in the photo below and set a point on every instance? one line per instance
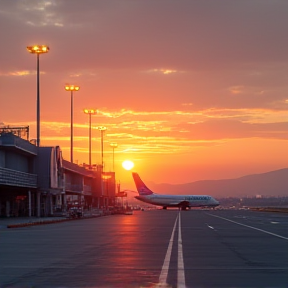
(236, 89)
(163, 71)
(233, 129)
(201, 35)
(37, 13)
(182, 127)
(166, 76)
(20, 73)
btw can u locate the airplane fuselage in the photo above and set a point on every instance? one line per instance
(178, 200)
(182, 201)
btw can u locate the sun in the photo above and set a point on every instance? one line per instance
(127, 164)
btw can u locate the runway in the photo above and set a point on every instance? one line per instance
(154, 248)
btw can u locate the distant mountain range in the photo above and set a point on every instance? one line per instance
(274, 183)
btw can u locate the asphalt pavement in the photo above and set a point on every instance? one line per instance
(18, 222)
(150, 249)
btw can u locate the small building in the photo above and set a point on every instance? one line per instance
(79, 185)
(18, 176)
(36, 181)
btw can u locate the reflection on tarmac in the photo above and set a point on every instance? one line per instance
(150, 249)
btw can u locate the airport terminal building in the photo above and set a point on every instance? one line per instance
(37, 181)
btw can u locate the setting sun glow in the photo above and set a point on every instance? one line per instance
(127, 164)
(184, 105)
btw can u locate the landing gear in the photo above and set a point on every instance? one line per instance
(164, 207)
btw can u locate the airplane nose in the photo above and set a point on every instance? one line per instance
(216, 202)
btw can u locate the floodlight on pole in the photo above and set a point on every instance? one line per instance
(90, 112)
(113, 145)
(71, 88)
(38, 49)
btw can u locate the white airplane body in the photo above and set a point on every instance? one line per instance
(181, 201)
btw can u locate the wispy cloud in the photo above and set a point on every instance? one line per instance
(236, 89)
(20, 73)
(181, 88)
(40, 13)
(152, 133)
(163, 71)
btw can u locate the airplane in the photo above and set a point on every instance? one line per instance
(180, 201)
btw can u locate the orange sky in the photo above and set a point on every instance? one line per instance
(189, 90)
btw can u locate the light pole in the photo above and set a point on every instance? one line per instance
(38, 49)
(113, 145)
(102, 130)
(89, 112)
(71, 88)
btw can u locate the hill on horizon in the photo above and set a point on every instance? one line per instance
(273, 183)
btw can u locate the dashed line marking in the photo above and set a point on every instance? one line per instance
(210, 227)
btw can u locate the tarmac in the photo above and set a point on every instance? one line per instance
(18, 222)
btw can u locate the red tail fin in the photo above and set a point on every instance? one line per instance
(141, 187)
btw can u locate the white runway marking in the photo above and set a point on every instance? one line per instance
(180, 266)
(211, 227)
(180, 271)
(165, 267)
(261, 230)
